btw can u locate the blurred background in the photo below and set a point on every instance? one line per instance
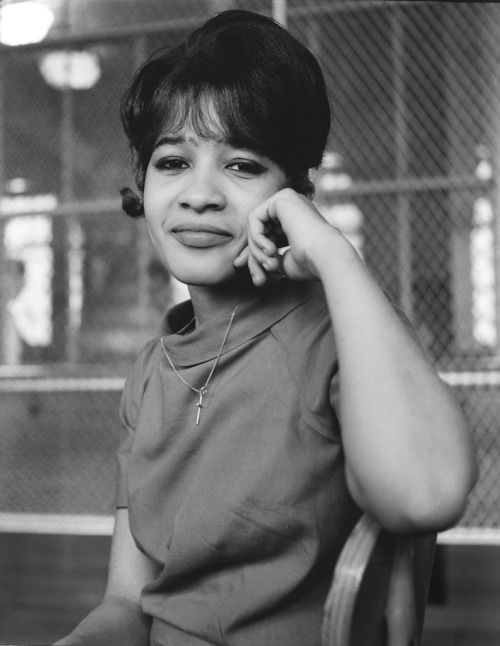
(411, 176)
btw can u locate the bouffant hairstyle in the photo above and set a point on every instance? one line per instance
(267, 89)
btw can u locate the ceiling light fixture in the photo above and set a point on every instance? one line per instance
(78, 70)
(23, 23)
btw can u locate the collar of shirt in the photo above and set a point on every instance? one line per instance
(270, 305)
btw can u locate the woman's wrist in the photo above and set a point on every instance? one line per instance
(332, 254)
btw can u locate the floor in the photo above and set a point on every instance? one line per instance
(49, 582)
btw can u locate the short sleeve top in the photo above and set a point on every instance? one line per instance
(246, 512)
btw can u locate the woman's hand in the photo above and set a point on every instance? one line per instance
(292, 216)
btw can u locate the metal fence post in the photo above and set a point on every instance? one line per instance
(280, 11)
(401, 157)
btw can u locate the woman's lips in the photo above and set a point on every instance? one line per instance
(201, 238)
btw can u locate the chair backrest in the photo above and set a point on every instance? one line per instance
(379, 591)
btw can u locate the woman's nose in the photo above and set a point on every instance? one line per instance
(203, 192)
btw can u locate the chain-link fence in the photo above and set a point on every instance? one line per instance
(411, 175)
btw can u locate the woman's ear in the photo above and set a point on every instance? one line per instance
(302, 183)
(132, 203)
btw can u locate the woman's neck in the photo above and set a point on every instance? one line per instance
(210, 302)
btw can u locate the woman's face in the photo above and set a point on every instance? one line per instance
(198, 193)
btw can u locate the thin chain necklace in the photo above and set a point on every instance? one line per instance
(201, 392)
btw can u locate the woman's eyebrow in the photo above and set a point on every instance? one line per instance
(171, 140)
(174, 140)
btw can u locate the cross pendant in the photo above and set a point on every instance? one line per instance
(201, 393)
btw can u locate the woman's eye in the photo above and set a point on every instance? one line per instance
(171, 163)
(247, 168)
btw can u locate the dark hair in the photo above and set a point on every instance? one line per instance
(267, 88)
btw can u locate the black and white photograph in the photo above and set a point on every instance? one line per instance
(249, 323)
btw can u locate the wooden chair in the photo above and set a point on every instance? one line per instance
(379, 591)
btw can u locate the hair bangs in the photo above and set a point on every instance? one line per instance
(211, 111)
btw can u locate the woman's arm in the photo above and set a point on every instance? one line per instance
(409, 454)
(118, 619)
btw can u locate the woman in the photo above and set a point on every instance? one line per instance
(287, 395)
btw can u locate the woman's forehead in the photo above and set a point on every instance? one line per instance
(200, 116)
(210, 116)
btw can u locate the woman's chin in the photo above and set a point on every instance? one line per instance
(212, 277)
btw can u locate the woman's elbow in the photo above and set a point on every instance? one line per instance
(442, 504)
(438, 503)
(423, 503)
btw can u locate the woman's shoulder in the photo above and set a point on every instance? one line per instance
(136, 382)
(306, 334)
(144, 365)
(311, 314)
(149, 355)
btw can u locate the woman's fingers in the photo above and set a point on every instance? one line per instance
(242, 258)
(260, 244)
(258, 274)
(287, 216)
(258, 267)
(261, 227)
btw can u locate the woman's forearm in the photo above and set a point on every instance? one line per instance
(115, 622)
(409, 454)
